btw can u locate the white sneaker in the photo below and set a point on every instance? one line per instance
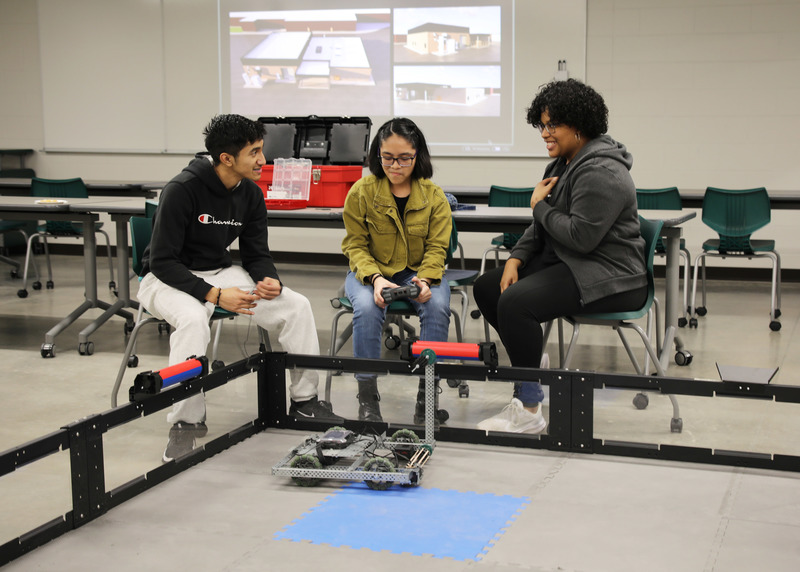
(514, 418)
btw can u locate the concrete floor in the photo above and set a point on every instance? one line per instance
(586, 512)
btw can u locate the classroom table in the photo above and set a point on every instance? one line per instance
(86, 212)
(21, 187)
(690, 198)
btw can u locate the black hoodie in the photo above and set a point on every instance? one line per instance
(197, 220)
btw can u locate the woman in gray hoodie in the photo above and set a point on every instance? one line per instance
(583, 252)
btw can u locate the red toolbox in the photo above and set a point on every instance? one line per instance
(336, 146)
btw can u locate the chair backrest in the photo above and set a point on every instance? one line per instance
(668, 198)
(735, 215)
(510, 197)
(141, 231)
(59, 188)
(63, 189)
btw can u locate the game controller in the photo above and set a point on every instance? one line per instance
(400, 293)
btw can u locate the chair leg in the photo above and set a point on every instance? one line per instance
(683, 319)
(337, 341)
(693, 307)
(129, 350)
(111, 283)
(775, 312)
(29, 259)
(215, 363)
(576, 328)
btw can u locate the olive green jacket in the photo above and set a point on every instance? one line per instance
(379, 241)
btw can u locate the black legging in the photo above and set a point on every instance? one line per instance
(540, 295)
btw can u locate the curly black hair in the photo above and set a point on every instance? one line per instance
(571, 103)
(408, 130)
(230, 134)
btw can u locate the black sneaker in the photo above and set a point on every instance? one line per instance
(182, 438)
(314, 409)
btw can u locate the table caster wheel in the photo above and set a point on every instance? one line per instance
(463, 390)
(683, 357)
(701, 311)
(217, 364)
(163, 328)
(127, 328)
(36, 285)
(777, 311)
(133, 361)
(641, 401)
(442, 415)
(48, 350)
(112, 285)
(392, 342)
(22, 293)
(682, 322)
(453, 383)
(775, 325)
(475, 314)
(676, 425)
(692, 322)
(50, 285)
(86, 348)
(14, 274)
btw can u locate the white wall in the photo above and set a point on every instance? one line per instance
(703, 93)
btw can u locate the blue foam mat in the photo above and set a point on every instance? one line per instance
(440, 523)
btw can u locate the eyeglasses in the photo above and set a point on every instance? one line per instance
(402, 160)
(549, 127)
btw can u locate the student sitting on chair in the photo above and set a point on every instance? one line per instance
(583, 252)
(188, 269)
(398, 227)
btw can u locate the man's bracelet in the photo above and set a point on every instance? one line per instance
(373, 278)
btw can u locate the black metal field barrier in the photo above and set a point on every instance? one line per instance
(570, 427)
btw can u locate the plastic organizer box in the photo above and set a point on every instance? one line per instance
(290, 184)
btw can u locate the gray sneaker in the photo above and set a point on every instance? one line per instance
(182, 439)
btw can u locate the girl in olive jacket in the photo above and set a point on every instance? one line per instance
(398, 227)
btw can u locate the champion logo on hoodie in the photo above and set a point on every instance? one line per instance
(209, 219)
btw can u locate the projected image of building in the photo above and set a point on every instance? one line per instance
(443, 39)
(312, 53)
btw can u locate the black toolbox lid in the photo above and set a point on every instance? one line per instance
(324, 140)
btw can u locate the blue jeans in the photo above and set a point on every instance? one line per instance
(368, 318)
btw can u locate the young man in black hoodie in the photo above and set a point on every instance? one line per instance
(188, 268)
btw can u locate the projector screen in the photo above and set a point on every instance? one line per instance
(464, 70)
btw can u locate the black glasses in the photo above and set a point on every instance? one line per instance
(402, 160)
(549, 127)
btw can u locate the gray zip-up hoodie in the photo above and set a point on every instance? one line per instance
(592, 221)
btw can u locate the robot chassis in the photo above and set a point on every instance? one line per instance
(342, 454)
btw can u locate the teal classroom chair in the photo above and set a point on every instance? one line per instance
(141, 231)
(505, 197)
(62, 189)
(735, 215)
(668, 198)
(620, 321)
